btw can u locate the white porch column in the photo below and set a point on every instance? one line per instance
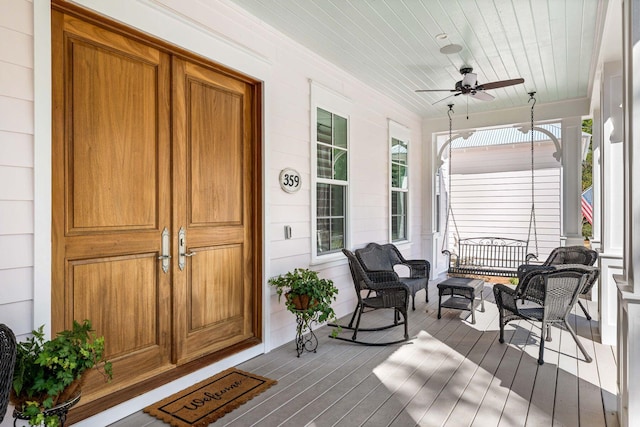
(431, 236)
(628, 290)
(610, 201)
(571, 230)
(596, 144)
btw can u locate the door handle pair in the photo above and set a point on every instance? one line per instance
(182, 250)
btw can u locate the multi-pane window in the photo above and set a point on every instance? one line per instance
(331, 181)
(399, 190)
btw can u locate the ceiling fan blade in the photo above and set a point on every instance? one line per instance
(482, 96)
(501, 83)
(435, 90)
(446, 97)
(469, 79)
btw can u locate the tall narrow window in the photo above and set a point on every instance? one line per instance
(399, 167)
(331, 181)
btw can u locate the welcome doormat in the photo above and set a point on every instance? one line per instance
(208, 400)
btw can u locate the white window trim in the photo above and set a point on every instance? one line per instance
(336, 103)
(402, 133)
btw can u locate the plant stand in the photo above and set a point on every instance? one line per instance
(305, 343)
(59, 410)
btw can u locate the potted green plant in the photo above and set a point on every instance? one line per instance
(49, 373)
(306, 295)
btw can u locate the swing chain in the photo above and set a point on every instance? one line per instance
(532, 221)
(449, 209)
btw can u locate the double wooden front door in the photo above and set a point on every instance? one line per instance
(155, 164)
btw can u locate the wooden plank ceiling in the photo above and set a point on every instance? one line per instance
(392, 46)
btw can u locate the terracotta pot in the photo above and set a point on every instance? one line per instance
(300, 302)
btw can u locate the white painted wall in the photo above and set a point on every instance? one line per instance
(499, 205)
(16, 165)
(220, 31)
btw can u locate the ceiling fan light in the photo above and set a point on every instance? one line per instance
(450, 49)
(469, 79)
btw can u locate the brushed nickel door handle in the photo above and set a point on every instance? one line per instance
(182, 249)
(164, 256)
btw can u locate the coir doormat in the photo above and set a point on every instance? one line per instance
(205, 402)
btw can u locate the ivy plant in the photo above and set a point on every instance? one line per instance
(304, 282)
(46, 372)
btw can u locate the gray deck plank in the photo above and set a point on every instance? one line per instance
(454, 374)
(455, 383)
(391, 374)
(604, 356)
(566, 406)
(589, 395)
(490, 411)
(417, 373)
(542, 402)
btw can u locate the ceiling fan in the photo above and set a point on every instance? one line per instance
(469, 86)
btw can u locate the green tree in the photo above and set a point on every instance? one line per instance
(587, 173)
(587, 164)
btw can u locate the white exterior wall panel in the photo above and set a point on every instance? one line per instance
(16, 165)
(499, 205)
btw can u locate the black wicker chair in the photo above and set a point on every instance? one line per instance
(7, 364)
(376, 290)
(567, 255)
(375, 257)
(552, 292)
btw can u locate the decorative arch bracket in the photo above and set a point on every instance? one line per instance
(558, 154)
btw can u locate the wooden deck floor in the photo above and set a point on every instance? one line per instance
(452, 373)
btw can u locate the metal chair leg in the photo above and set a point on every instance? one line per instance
(543, 334)
(584, 310)
(580, 346)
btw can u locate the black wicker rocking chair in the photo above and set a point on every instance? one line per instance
(376, 290)
(553, 290)
(7, 364)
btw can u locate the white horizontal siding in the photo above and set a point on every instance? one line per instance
(16, 47)
(16, 81)
(17, 15)
(16, 115)
(499, 205)
(16, 149)
(503, 158)
(16, 167)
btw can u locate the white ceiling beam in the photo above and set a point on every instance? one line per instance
(543, 113)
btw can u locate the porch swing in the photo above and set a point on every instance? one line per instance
(489, 256)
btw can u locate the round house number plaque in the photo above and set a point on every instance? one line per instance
(290, 180)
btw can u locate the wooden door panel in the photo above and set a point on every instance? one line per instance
(216, 286)
(215, 154)
(213, 157)
(110, 292)
(111, 161)
(115, 293)
(114, 144)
